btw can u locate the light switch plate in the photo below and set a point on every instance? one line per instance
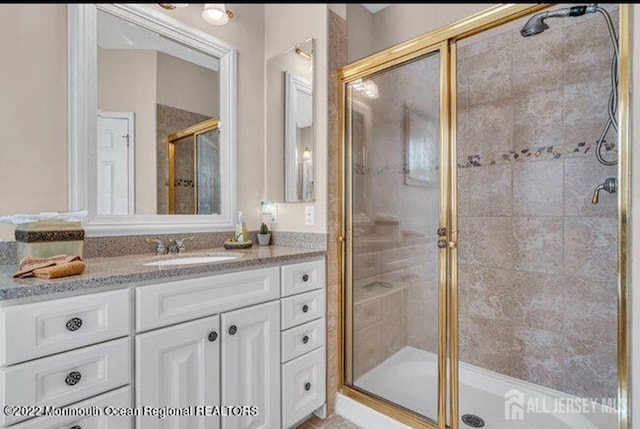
(309, 215)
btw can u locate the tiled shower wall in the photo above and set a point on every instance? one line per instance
(171, 119)
(537, 271)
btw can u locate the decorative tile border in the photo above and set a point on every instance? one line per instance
(541, 153)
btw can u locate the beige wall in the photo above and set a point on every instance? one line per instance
(127, 83)
(33, 110)
(369, 33)
(35, 89)
(200, 93)
(286, 25)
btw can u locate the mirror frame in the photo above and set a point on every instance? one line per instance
(83, 108)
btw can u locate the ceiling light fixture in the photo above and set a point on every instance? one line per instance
(213, 13)
(216, 13)
(171, 6)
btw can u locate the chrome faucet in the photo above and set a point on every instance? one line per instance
(177, 245)
(160, 247)
(610, 185)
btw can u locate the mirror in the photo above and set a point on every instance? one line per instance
(290, 131)
(154, 129)
(151, 88)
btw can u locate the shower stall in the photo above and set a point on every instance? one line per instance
(485, 193)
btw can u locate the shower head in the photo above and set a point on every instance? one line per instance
(536, 25)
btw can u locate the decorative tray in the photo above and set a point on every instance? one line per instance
(237, 244)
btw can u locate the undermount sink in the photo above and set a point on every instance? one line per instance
(202, 259)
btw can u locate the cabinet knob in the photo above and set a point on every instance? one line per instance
(73, 378)
(213, 335)
(233, 329)
(305, 308)
(305, 278)
(73, 324)
(305, 339)
(307, 386)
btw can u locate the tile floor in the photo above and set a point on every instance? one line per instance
(333, 422)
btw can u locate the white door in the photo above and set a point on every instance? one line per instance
(251, 365)
(179, 367)
(115, 163)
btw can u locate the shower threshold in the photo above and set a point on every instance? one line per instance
(409, 378)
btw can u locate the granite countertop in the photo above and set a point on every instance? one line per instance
(124, 270)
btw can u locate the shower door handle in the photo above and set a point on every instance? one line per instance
(442, 244)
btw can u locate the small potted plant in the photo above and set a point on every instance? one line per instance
(264, 236)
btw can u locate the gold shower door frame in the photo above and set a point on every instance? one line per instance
(195, 131)
(443, 41)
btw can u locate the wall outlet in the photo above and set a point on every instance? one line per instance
(309, 215)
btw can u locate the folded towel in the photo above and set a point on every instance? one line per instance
(29, 264)
(62, 270)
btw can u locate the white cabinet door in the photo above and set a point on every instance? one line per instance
(179, 367)
(251, 366)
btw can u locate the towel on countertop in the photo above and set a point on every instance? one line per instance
(49, 268)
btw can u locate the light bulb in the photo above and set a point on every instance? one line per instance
(215, 13)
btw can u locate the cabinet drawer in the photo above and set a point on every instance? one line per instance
(179, 301)
(120, 399)
(67, 377)
(302, 339)
(33, 330)
(302, 277)
(303, 386)
(302, 308)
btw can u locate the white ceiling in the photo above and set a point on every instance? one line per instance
(115, 33)
(375, 7)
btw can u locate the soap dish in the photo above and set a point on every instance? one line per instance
(237, 244)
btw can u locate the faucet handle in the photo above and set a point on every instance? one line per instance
(179, 243)
(160, 247)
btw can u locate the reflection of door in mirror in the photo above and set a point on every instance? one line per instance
(168, 87)
(194, 169)
(298, 137)
(115, 163)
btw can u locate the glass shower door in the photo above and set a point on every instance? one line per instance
(397, 193)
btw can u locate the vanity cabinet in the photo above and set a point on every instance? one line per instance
(75, 368)
(252, 339)
(197, 363)
(251, 365)
(177, 367)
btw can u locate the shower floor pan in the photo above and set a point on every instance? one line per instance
(409, 378)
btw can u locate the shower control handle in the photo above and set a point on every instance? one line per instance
(610, 185)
